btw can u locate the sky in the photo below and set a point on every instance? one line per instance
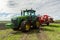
(10, 8)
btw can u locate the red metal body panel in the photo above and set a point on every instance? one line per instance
(43, 19)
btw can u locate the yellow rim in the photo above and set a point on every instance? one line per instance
(37, 24)
(27, 27)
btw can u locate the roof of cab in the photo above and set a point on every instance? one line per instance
(29, 10)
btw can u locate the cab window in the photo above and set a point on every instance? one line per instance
(32, 13)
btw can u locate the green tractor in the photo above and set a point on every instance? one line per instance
(26, 21)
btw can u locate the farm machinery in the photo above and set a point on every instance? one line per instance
(45, 19)
(25, 22)
(28, 20)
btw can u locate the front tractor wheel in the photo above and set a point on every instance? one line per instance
(25, 26)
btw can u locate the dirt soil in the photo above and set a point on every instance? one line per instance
(37, 34)
(2, 26)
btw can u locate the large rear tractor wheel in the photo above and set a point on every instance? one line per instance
(25, 26)
(37, 24)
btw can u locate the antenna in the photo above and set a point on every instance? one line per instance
(31, 8)
(21, 12)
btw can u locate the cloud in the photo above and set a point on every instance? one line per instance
(52, 8)
(7, 16)
(13, 7)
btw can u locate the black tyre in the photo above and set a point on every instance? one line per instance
(15, 23)
(25, 26)
(37, 24)
(47, 23)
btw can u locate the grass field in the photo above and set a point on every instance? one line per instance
(51, 32)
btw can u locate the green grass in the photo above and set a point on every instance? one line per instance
(52, 31)
(57, 21)
(5, 21)
(8, 34)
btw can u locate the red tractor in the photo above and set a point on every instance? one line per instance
(45, 19)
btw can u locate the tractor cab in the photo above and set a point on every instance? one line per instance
(28, 12)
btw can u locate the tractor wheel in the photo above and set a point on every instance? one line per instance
(37, 24)
(25, 26)
(47, 23)
(15, 24)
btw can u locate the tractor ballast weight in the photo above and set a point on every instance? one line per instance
(26, 21)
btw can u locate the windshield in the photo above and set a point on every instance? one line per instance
(29, 13)
(32, 13)
(26, 13)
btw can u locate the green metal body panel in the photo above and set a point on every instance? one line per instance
(25, 18)
(21, 18)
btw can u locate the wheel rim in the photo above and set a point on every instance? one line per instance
(27, 26)
(37, 24)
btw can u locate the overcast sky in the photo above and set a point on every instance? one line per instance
(9, 8)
